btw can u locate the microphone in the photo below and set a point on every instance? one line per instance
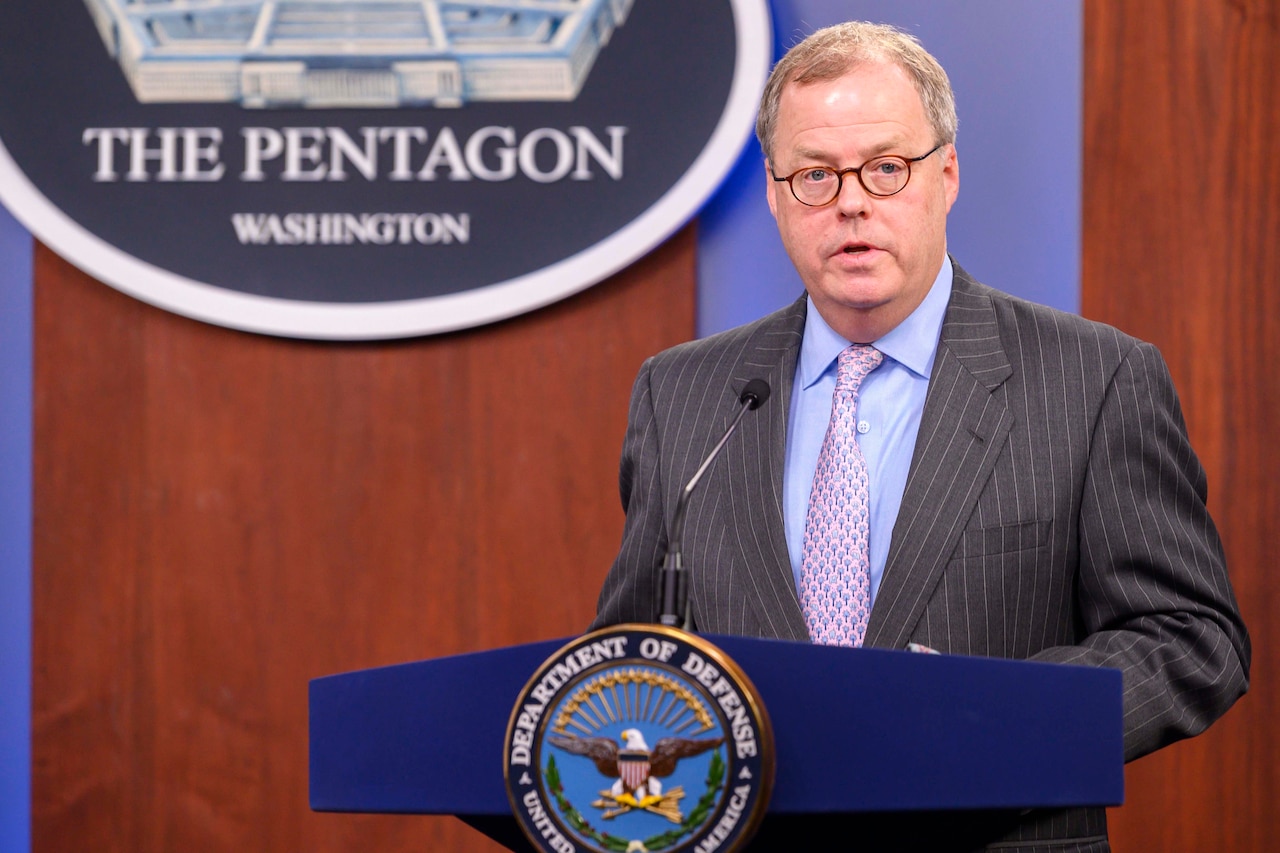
(675, 578)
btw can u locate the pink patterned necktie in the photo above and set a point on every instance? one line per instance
(835, 575)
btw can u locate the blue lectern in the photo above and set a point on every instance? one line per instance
(935, 745)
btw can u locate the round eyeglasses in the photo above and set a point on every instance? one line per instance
(817, 186)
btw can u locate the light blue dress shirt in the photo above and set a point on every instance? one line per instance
(890, 403)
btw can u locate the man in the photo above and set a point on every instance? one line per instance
(990, 476)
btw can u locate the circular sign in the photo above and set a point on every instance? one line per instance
(639, 738)
(353, 169)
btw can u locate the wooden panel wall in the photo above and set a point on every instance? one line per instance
(1182, 248)
(220, 517)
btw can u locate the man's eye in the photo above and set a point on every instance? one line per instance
(889, 167)
(816, 176)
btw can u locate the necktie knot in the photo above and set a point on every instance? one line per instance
(853, 365)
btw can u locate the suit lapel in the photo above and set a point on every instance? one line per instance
(754, 477)
(962, 432)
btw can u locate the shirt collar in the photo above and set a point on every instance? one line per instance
(913, 343)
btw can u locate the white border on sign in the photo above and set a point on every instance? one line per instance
(432, 315)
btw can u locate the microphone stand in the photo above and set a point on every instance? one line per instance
(674, 575)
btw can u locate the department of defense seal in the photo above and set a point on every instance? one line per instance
(639, 738)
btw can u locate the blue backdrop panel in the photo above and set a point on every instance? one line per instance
(15, 536)
(1016, 70)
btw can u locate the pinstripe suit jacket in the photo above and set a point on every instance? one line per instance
(1054, 510)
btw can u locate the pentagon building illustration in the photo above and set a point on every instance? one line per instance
(356, 53)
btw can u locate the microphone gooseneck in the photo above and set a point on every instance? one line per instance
(675, 577)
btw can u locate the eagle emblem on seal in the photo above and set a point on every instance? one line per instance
(637, 769)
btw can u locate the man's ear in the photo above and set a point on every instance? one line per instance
(951, 175)
(771, 188)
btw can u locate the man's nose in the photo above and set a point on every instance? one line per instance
(852, 199)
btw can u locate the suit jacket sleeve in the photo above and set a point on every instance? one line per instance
(630, 591)
(1152, 591)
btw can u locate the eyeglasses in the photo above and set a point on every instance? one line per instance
(817, 186)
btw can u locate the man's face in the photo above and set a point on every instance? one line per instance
(867, 262)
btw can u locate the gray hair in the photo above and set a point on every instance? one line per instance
(833, 51)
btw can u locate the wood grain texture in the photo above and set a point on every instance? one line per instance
(1182, 248)
(220, 517)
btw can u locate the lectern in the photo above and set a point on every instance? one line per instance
(880, 744)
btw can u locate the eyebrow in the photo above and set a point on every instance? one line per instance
(812, 155)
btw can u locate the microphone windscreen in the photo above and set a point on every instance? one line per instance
(755, 393)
